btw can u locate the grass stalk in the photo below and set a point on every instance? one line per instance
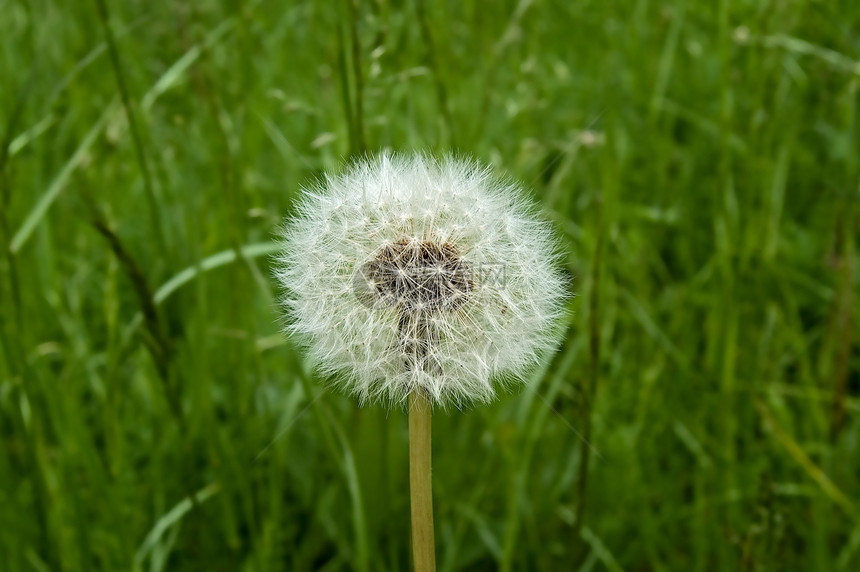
(589, 389)
(5, 200)
(420, 483)
(344, 459)
(433, 64)
(358, 78)
(345, 91)
(157, 340)
(154, 211)
(843, 302)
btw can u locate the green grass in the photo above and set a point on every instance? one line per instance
(701, 160)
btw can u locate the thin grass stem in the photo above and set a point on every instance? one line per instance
(589, 389)
(154, 211)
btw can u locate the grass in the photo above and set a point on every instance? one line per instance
(701, 162)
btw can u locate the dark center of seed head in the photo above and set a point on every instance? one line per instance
(419, 277)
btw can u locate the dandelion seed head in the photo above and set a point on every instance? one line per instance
(407, 272)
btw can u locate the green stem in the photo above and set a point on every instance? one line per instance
(589, 389)
(154, 212)
(420, 483)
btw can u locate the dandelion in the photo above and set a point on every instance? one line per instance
(407, 272)
(421, 279)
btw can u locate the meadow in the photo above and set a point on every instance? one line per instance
(699, 159)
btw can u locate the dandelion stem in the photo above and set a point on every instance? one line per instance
(420, 483)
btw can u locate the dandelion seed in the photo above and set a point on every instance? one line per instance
(414, 290)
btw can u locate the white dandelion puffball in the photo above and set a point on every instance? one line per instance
(409, 272)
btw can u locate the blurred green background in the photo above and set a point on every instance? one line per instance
(699, 158)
